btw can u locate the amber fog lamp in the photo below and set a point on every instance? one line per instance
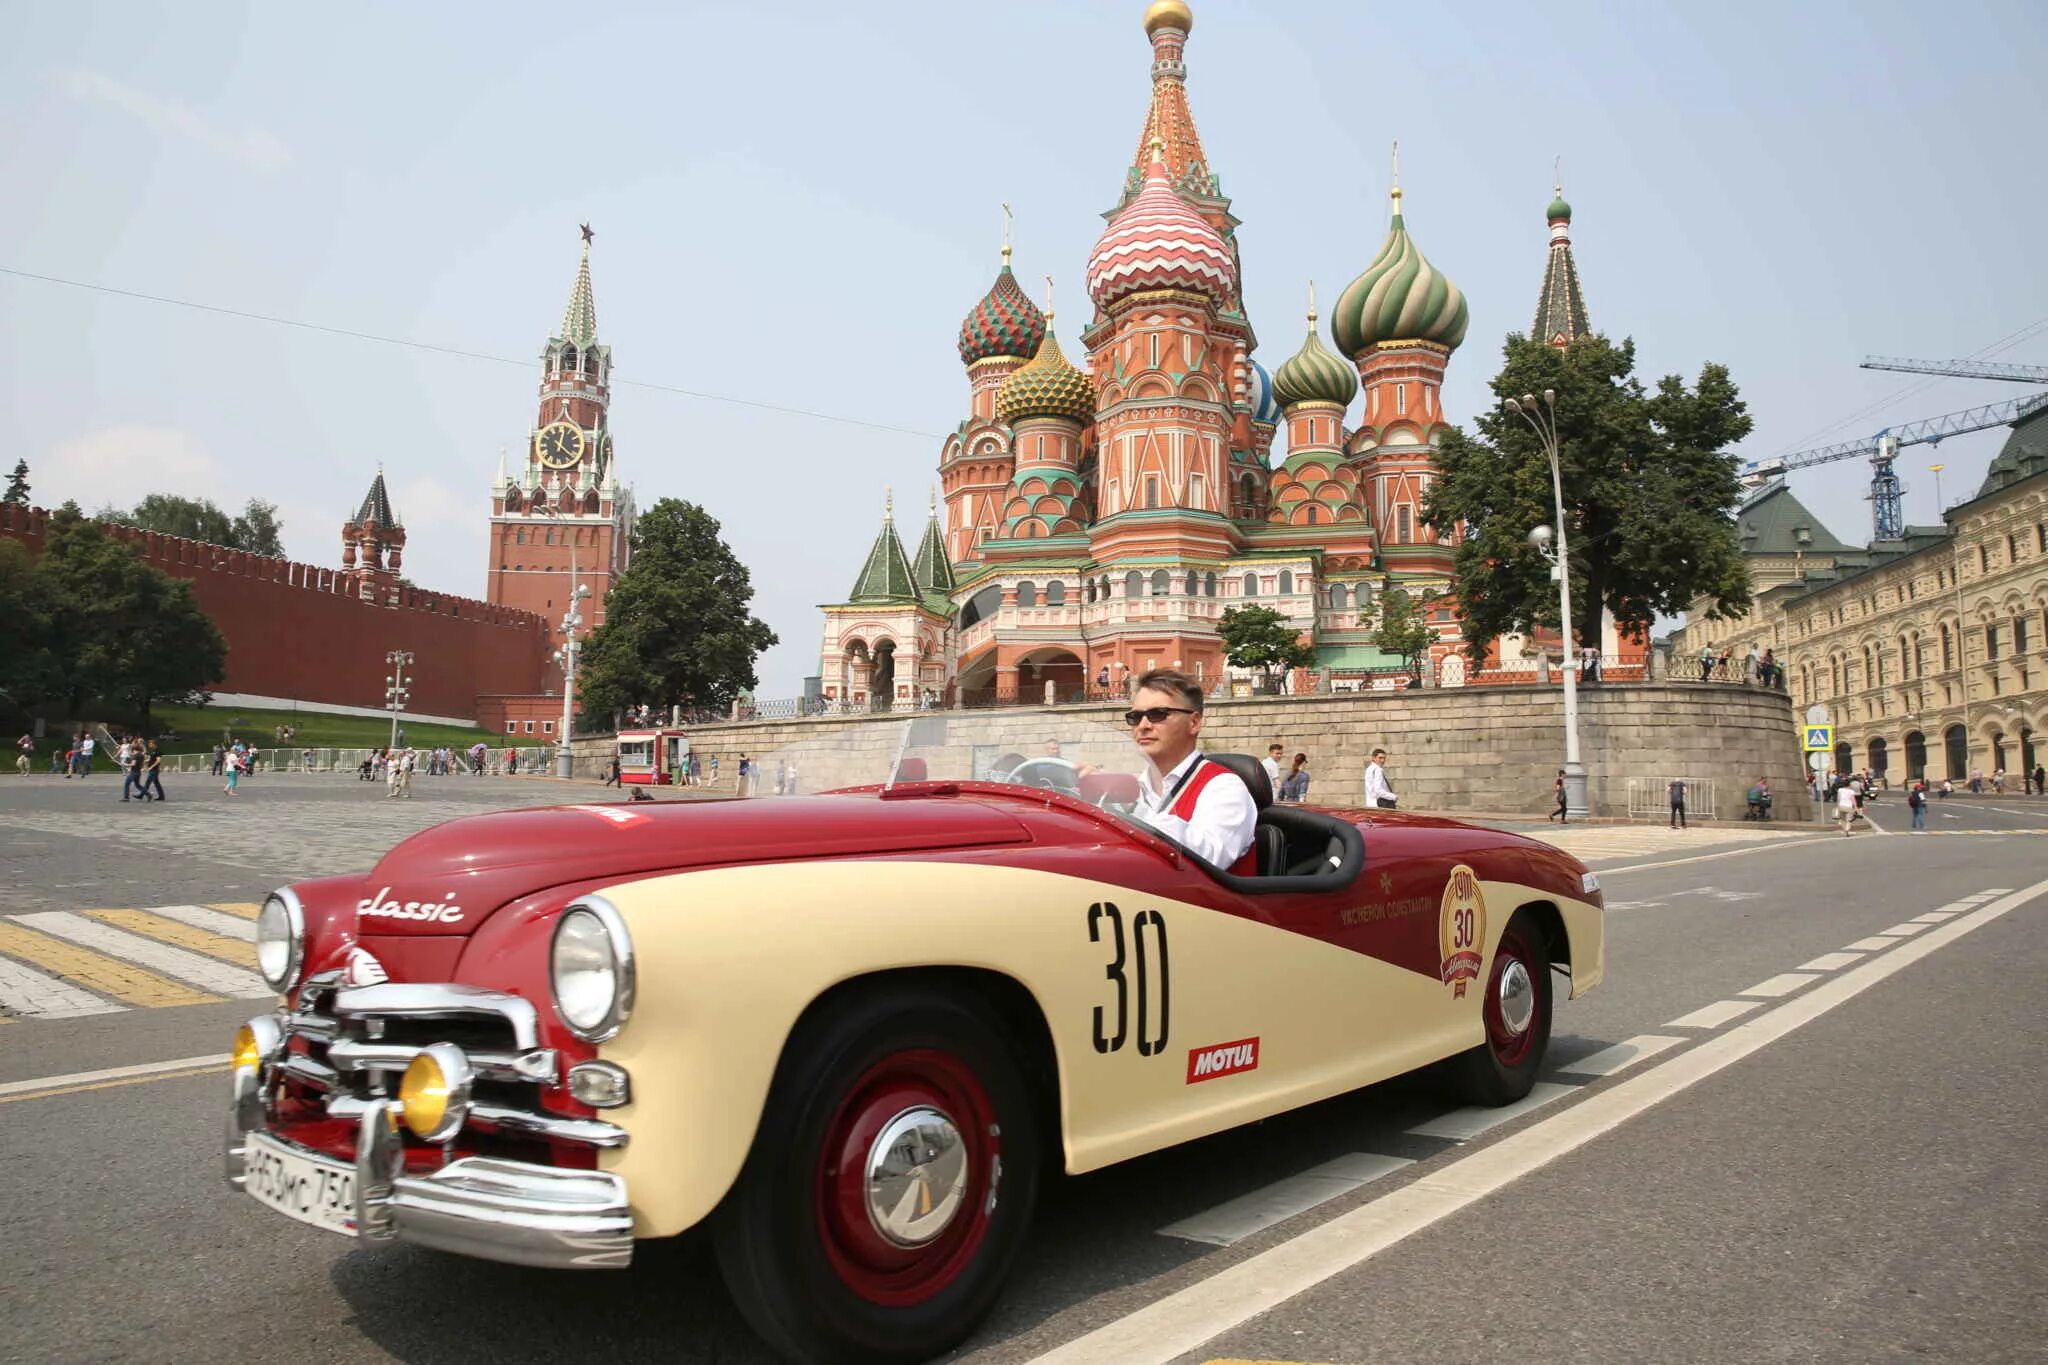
(433, 1096)
(256, 1042)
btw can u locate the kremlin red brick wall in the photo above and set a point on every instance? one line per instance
(299, 632)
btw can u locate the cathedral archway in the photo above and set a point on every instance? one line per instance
(882, 691)
(1916, 755)
(1060, 667)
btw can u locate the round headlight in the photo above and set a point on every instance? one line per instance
(433, 1095)
(280, 940)
(591, 969)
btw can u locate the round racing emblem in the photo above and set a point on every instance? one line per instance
(1461, 928)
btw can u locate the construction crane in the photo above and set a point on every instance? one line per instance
(1961, 369)
(1887, 498)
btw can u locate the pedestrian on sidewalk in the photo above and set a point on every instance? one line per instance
(1845, 806)
(86, 744)
(1294, 786)
(152, 773)
(232, 763)
(1378, 795)
(1916, 800)
(1557, 791)
(611, 776)
(1676, 791)
(128, 758)
(23, 748)
(2040, 780)
(1271, 762)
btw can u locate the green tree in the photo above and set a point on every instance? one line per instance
(1403, 629)
(1649, 494)
(677, 630)
(126, 632)
(17, 485)
(1259, 637)
(30, 609)
(257, 530)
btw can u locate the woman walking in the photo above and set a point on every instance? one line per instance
(233, 767)
(1294, 786)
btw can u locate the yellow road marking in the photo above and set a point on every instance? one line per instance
(96, 971)
(109, 1085)
(245, 909)
(180, 935)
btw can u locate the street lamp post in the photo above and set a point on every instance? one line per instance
(566, 655)
(396, 692)
(1543, 421)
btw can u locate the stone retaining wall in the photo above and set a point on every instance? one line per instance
(1450, 749)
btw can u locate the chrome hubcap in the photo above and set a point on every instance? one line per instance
(916, 1176)
(1517, 998)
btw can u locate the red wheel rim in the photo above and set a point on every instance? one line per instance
(1512, 1049)
(872, 1266)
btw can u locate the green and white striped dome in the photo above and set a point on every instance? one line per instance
(1400, 297)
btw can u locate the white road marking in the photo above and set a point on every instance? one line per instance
(1905, 930)
(1787, 842)
(199, 970)
(1177, 1323)
(213, 921)
(1714, 1015)
(1462, 1125)
(114, 1073)
(1873, 944)
(34, 995)
(1609, 1060)
(1827, 962)
(1784, 983)
(1937, 916)
(1236, 1219)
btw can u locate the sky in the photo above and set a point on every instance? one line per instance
(796, 204)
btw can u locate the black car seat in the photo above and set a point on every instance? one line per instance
(1269, 843)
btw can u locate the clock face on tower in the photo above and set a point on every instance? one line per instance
(559, 445)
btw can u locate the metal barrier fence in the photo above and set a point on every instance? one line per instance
(1649, 798)
(532, 759)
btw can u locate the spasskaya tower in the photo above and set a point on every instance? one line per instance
(563, 507)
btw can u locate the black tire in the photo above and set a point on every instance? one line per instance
(787, 1249)
(1503, 1068)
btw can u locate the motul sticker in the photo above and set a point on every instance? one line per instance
(1224, 1059)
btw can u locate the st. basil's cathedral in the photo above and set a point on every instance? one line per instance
(1097, 522)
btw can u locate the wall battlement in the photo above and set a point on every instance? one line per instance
(301, 631)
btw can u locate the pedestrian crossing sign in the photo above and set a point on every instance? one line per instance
(1819, 738)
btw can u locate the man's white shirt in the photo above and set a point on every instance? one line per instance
(1376, 785)
(1272, 767)
(1220, 829)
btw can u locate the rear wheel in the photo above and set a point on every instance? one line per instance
(1516, 1011)
(890, 1183)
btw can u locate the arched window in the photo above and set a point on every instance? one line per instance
(540, 499)
(590, 501)
(1946, 665)
(1315, 514)
(1957, 741)
(1251, 585)
(511, 500)
(1286, 581)
(1402, 522)
(1339, 599)
(1162, 583)
(522, 535)
(1087, 590)
(570, 360)
(1211, 586)
(1027, 594)
(1056, 594)
(1102, 590)
(1134, 584)
(1194, 584)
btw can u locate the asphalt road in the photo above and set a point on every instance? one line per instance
(1858, 1180)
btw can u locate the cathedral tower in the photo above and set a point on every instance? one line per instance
(373, 546)
(1560, 308)
(564, 507)
(997, 336)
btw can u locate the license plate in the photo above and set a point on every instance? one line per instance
(311, 1189)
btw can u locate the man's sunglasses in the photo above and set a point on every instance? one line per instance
(1157, 714)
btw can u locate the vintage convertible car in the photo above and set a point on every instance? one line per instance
(852, 1032)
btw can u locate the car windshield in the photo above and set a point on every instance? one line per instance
(1089, 756)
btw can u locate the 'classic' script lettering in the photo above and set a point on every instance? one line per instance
(434, 912)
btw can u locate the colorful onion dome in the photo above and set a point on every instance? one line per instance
(1047, 387)
(1313, 375)
(1005, 323)
(1400, 297)
(1559, 209)
(1158, 241)
(1265, 408)
(1169, 14)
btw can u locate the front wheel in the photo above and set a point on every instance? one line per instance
(890, 1184)
(1516, 1011)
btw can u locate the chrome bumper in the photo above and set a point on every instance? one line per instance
(485, 1207)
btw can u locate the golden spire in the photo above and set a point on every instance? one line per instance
(1157, 146)
(888, 503)
(1397, 175)
(1169, 14)
(1006, 236)
(1048, 303)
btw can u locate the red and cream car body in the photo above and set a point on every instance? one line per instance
(851, 1029)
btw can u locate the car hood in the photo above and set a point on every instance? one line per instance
(451, 878)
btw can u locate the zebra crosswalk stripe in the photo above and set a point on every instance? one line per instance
(28, 993)
(150, 924)
(241, 909)
(212, 921)
(77, 968)
(162, 958)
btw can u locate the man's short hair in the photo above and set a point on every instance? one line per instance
(1271, 747)
(1171, 680)
(1379, 753)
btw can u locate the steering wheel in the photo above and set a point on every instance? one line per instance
(1049, 774)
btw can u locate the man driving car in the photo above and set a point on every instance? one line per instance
(1192, 799)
